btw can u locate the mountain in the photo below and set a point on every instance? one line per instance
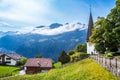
(2, 34)
(39, 26)
(55, 25)
(44, 40)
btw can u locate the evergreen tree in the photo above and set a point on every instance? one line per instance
(63, 57)
(38, 56)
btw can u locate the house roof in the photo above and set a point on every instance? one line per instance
(1, 54)
(39, 62)
(14, 56)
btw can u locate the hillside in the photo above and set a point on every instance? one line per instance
(8, 71)
(82, 70)
(57, 37)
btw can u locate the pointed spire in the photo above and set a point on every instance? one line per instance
(90, 8)
(90, 25)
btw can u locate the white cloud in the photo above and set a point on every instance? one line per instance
(24, 30)
(27, 11)
(48, 31)
(5, 23)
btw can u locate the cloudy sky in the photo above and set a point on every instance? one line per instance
(17, 14)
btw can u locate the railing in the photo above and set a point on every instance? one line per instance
(112, 65)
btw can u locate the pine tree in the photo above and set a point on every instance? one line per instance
(63, 57)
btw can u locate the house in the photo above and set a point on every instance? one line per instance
(35, 65)
(90, 46)
(1, 59)
(9, 59)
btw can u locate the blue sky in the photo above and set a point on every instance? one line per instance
(17, 14)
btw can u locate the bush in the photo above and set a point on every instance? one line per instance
(75, 57)
(21, 62)
(57, 65)
(100, 47)
(119, 58)
(71, 52)
(109, 55)
(79, 56)
(84, 55)
(81, 48)
(38, 56)
(113, 53)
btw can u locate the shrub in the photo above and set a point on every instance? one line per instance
(81, 48)
(71, 52)
(109, 55)
(21, 62)
(79, 56)
(83, 55)
(57, 65)
(38, 56)
(119, 58)
(75, 57)
(100, 47)
(113, 53)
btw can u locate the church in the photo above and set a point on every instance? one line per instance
(90, 46)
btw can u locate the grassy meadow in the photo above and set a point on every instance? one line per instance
(8, 71)
(82, 70)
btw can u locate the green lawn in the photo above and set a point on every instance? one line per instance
(57, 65)
(82, 70)
(8, 71)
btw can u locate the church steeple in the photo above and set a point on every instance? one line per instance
(90, 26)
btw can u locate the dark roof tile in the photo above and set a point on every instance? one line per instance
(1, 54)
(14, 56)
(39, 62)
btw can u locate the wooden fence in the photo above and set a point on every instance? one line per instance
(112, 65)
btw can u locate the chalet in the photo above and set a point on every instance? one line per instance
(35, 65)
(9, 59)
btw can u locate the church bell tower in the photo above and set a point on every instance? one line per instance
(90, 46)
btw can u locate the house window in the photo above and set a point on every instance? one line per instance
(8, 61)
(8, 58)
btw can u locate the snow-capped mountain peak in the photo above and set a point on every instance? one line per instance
(53, 29)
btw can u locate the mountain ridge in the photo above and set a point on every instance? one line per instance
(30, 44)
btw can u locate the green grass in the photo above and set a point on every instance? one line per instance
(57, 65)
(8, 71)
(82, 70)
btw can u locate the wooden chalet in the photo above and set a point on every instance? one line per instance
(35, 65)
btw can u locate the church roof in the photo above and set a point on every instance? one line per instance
(90, 26)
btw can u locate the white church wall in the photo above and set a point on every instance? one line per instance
(91, 48)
